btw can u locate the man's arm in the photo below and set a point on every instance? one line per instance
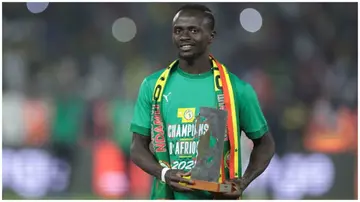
(142, 156)
(263, 151)
(253, 123)
(140, 126)
(140, 152)
(255, 127)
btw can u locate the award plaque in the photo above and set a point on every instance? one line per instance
(206, 172)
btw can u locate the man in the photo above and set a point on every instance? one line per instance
(165, 116)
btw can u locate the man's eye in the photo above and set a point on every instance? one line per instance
(194, 31)
(177, 31)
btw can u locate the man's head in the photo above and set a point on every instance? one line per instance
(193, 30)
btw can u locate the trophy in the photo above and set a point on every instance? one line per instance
(206, 172)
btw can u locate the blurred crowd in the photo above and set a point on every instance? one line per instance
(67, 81)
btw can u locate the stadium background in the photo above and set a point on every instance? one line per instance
(71, 73)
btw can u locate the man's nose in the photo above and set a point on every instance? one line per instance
(185, 36)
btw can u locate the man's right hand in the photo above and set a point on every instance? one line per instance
(173, 177)
(144, 158)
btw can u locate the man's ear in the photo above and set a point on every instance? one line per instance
(212, 36)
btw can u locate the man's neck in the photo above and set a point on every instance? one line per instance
(196, 66)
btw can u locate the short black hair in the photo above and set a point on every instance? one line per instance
(198, 7)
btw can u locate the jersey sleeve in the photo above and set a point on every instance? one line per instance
(252, 120)
(142, 113)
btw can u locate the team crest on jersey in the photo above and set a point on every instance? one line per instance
(187, 115)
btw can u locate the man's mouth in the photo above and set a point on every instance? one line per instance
(186, 47)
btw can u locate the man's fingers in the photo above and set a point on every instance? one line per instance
(186, 174)
(179, 178)
(178, 187)
(233, 184)
(187, 181)
(232, 195)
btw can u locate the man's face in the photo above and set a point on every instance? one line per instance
(190, 34)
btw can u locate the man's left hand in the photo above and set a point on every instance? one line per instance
(238, 186)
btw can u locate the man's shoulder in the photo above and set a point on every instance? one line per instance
(153, 77)
(239, 83)
(242, 88)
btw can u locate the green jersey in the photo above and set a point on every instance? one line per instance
(182, 98)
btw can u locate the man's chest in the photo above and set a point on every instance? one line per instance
(181, 102)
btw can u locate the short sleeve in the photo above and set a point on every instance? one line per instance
(252, 120)
(142, 112)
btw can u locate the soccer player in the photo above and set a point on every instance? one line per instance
(170, 99)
